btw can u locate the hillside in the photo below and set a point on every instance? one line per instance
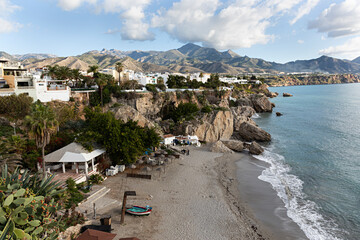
(71, 62)
(190, 58)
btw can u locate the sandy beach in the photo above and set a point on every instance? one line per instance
(194, 197)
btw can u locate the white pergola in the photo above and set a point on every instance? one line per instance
(74, 153)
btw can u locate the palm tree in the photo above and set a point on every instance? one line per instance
(42, 124)
(119, 68)
(201, 75)
(77, 76)
(93, 69)
(101, 81)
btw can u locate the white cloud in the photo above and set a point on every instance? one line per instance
(350, 49)
(304, 10)
(300, 41)
(215, 23)
(240, 24)
(339, 19)
(69, 5)
(7, 25)
(131, 13)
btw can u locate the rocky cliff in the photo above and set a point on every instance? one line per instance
(222, 122)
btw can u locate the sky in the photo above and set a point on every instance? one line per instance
(274, 30)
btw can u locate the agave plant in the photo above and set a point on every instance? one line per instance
(26, 209)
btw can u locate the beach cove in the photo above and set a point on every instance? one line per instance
(198, 197)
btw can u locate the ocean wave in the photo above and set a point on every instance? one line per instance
(290, 190)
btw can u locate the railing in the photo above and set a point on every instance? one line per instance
(25, 87)
(56, 88)
(82, 89)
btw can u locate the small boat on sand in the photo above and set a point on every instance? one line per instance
(139, 211)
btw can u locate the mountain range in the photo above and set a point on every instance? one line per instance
(188, 58)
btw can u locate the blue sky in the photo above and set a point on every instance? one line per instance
(274, 30)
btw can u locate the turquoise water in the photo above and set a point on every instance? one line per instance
(315, 158)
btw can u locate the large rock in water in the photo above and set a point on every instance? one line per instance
(234, 145)
(255, 148)
(220, 148)
(261, 103)
(249, 132)
(211, 128)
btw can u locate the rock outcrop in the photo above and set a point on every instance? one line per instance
(273, 94)
(219, 147)
(261, 103)
(287, 95)
(211, 128)
(250, 132)
(234, 145)
(242, 114)
(255, 148)
(278, 114)
(126, 113)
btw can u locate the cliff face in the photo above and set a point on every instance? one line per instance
(211, 127)
(223, 122)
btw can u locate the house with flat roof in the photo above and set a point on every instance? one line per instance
(14, 79)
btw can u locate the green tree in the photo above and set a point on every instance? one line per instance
(77, 77)
(124, 142)
(93, 69)
(101, 80)
(119, 68)
(42, 124)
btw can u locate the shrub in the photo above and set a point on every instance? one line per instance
(74, 195)
(206, 109)
(96, 179)
(16, 106)
(151, 88)
(160, 86)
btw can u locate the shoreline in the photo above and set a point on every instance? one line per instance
(194, 197)
(260, 199)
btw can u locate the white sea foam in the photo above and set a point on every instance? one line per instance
(289, 189)
(255, 115)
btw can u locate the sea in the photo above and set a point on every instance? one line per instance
(314, 158)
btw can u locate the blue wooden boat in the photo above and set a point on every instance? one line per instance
(139, 211)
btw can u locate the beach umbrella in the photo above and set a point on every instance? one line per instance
(140, 161)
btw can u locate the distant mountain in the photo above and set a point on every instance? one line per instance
(188, 58)
(4, 55)
(356, 60)
(39, 56)
(71, 62)
(322, 64)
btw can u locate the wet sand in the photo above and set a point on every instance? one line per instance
(266, 206)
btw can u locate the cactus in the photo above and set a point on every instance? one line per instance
(24, 213)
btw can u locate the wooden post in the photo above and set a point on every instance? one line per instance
(126, 193)
(94, 207)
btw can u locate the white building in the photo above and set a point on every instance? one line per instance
(233, 80)
(168, 139)
(18, 81)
